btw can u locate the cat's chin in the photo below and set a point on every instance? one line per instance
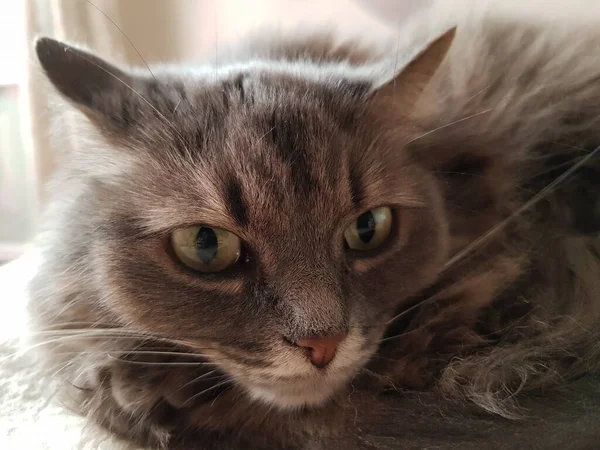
(298, 392)
(301, 385)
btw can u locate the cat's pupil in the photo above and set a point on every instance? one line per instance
(365, 225)
(207, 244)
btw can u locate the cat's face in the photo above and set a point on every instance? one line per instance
(272, 221)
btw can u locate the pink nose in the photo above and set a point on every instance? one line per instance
(321, 350)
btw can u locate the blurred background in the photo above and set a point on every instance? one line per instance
(174, 31)
(18, 199)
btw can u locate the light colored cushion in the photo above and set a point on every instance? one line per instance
(31, 417)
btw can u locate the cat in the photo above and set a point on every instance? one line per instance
(319, 245)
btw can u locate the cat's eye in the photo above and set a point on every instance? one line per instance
(206, 249)
(370, 229)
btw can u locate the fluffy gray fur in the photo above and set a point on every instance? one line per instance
(462, 332)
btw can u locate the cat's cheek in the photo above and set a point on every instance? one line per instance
(141, 287)
(386, 281)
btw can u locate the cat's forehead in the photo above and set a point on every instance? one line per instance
(257, 123)
(260, 144)
(264, 95)
(287, 141)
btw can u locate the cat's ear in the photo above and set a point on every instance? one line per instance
(95, 86)
(408, 85)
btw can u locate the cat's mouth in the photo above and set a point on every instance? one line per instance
(296, 383)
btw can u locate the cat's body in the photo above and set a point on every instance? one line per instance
(286, 150)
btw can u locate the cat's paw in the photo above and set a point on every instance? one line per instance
(140, 385)
(142, 400)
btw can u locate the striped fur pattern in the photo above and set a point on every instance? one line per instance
(285, 147)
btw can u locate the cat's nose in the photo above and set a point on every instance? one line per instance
(321, 350)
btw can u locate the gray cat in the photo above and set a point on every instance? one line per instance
(313, 247)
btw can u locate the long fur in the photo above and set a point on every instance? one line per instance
(507, 328)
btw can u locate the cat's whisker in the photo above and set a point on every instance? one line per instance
(89, 331)
(195, 396)
(201, 377)
(134, 353)
(160, 363)
(61, 325)
(557, 166)
(424, 326)
(427, 133)
(264, 136)
(113, 332)
(61, 369)
(73, 336)
(535, 199)
(162, 116)
(414, 307)
(545, 156)
(405, 333)
(125, 36)
(23, 351)
(204, 377)
(177, 106)
(190, 347)
(216, 17)
(225, 390)
(186, 343)
(478, 93)
(133, 340)
(574, 147)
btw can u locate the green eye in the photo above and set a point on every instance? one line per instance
(370, 229)
(206, 249)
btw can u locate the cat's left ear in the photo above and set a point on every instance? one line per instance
(408, 85)
(102, 91)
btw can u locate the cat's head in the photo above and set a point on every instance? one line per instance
(266, 213)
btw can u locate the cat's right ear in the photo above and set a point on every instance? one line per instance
(93, 85)
(408, 84)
